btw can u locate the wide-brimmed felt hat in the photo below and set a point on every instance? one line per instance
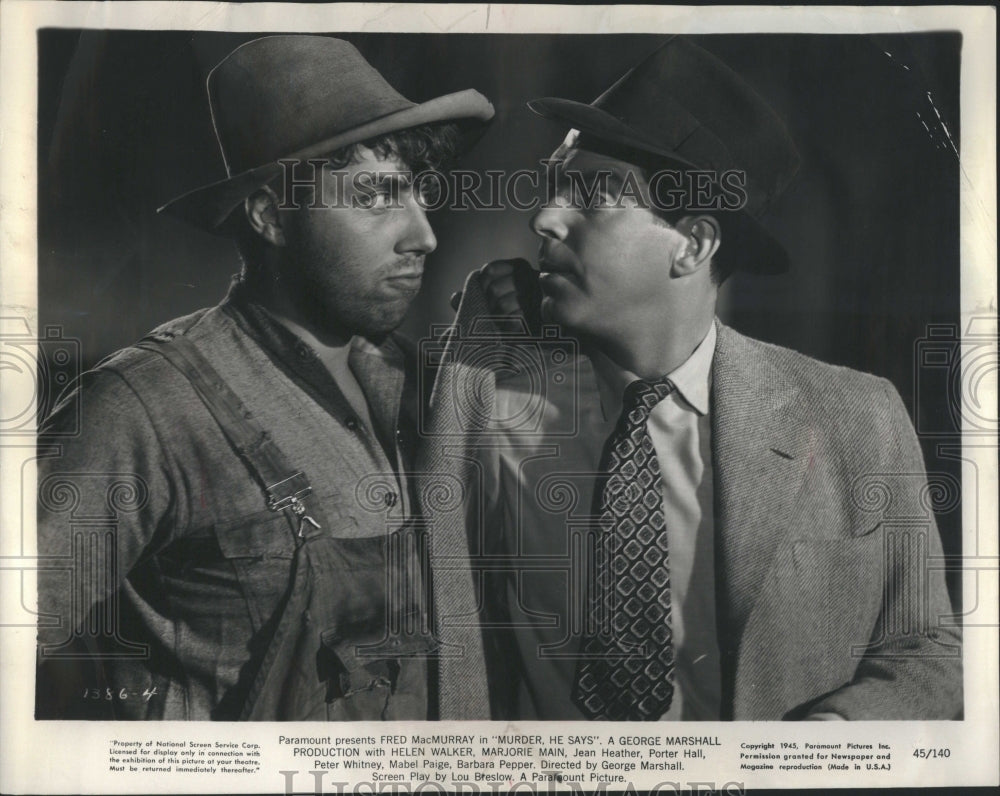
(685, 106)
(302, 97)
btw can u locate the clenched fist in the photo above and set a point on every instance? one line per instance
(511, 288)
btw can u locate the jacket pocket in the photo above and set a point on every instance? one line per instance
(378, 676)
(840, 582)
(265, 534)
(260, 549)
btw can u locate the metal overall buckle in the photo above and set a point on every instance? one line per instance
(288, 494)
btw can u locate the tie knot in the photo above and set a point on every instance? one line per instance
(644, 395)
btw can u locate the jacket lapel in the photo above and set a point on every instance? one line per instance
(381, 374)
(761, 450)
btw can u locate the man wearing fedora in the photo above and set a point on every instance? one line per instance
(251, 551)
(699, 543)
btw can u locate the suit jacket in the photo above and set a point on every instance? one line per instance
(828, 596)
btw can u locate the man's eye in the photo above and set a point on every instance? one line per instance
(602, 200)
(384, 197)
(562, 193)
(430, 194)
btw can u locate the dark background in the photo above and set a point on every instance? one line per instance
(871, 222)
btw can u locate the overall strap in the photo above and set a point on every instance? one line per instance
(284, 488)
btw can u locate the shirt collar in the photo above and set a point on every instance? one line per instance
(693, 378)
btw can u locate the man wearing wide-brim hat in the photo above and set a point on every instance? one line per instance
(265, 561)
(704, 542)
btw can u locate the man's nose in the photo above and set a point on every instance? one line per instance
(418, 237)
(550, 222)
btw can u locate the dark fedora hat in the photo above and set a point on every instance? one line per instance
(301, 97)
(684, 106)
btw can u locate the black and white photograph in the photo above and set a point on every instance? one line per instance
(395, 373)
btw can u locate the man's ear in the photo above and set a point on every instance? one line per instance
(704, 236)
(262, 213)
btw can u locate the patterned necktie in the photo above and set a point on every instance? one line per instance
(625, 672)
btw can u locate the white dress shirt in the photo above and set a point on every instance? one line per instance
(520, 473)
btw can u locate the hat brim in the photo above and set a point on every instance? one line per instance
(208, 207)
(761, 252)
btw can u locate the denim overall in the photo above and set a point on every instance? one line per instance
(351, 635)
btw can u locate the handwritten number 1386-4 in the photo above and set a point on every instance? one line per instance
(109, 694)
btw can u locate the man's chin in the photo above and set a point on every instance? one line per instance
(373, 322)
(380, 325)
